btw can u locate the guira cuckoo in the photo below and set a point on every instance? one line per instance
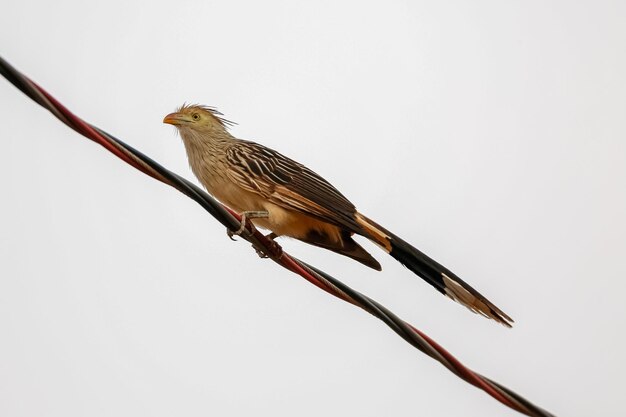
(297, 202)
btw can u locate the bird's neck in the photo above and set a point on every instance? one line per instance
(206, 142)
(205, 150)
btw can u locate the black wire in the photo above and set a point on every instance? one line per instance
(214, 208)
(15, 78)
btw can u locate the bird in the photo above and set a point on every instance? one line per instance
(287, 198)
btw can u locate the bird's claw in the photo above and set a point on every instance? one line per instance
(275, 248)
(272, 247)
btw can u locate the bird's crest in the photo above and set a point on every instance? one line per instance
(217, 115)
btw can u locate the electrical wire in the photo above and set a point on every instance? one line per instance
(232, 220)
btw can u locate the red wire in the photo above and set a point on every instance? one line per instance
(86, 130)
(468, 374)
(285, 260)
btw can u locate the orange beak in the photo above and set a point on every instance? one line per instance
(175, 119)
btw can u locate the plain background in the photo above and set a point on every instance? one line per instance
(491, 134)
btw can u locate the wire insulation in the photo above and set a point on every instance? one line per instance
(271, 249)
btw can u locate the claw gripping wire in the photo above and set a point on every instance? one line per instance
(233, 221)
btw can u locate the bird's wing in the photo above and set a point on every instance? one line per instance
(288, 184)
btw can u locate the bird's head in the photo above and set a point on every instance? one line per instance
(197, 118)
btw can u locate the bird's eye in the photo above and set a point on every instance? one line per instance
(195, 116)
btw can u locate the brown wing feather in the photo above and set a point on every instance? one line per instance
(289, 184)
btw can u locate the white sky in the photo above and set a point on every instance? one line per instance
(490, 134)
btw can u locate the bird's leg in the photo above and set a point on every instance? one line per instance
(244, 219)
(274, 248)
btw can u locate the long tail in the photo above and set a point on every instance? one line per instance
(432, 272)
